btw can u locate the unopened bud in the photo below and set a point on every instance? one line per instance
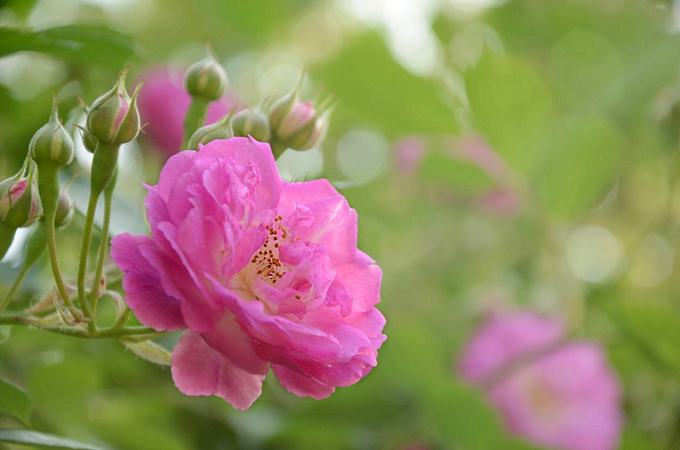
(298, 125)
(19, 200)
(52, 143)
(206, 79)
(219, 130)
(113, 118)
(252, 122)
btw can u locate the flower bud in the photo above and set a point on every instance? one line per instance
(206, 79)
(219, 130)
(65, 209)
(252, 122)
(52, 143)
(298, 125)
(19, 200)
(113, 118)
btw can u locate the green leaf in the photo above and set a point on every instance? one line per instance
(512, 107)
(150, 351)
(581, 162)
(93, 45)
(372, 88)
(14, 402)
(41, 440)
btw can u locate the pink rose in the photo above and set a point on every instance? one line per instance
(262, 272)
(162, 104)
(555, 394)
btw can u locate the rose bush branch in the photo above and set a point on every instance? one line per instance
(112, 120)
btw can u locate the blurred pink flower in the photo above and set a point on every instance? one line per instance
(555, 394)
(262, 272)
(162, 104)
(409, 152)
(480, 152)
(502, 201)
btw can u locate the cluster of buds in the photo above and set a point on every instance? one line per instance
(34, 191)
(289, 123)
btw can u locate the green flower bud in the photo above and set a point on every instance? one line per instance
(65, 209)
(113, 118)
(52, 143)
(318, 134)
(206, 79)
(218, 130)
(20, 203)
(298, 125)
(252, 122)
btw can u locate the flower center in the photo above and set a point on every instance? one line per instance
(266, 263)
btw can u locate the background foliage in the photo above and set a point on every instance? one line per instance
(578, 99)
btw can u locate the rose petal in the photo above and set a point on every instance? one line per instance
(144, 293)
(198, 369)
(301, 385)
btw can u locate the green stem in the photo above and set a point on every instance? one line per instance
(103, 168)
(79, 332)
(120, 323)
(84, 251)
(6, 238)
(194, 118)
(12, 290)
(48, 186)
(103, 244)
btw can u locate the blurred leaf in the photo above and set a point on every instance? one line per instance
(461, 175)
(41, 440)
(653, 328)
(125, 216)
(634, 440)
(78, 43)
(372, 88)
(581, 162)
(5, 333)
(150, 351)
(63, 388)
(512, 106)
(14, 402)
